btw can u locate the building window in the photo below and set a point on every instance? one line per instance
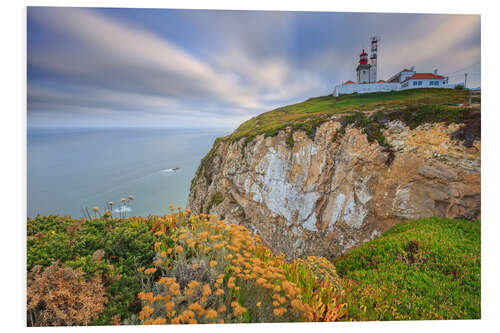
(419, 83)
(415, 83)
(431, 83)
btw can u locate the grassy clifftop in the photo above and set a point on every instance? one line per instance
(314, 111)
(413, 107)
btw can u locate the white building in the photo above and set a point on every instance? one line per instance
(366, 75)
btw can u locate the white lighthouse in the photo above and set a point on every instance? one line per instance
(364, 69)
(367, 82)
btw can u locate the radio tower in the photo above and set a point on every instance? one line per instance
(373, 59)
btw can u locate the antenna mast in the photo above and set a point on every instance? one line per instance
(373, 58)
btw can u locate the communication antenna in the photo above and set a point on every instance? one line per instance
(373, 58)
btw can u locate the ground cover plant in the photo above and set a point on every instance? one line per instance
(424, 269)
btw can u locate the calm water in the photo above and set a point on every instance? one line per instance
(71, 169)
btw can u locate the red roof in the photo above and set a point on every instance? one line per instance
(380, 81)
(424, 76)
(406, 70)
(349, 82)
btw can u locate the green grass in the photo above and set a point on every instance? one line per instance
(309, 114)
(424, 269)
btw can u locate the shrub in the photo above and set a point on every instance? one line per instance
(74, 243)
(209, 271)
(59, 296)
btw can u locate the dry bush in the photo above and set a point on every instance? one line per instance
(59, 296)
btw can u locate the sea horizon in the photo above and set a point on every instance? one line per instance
(73, 169)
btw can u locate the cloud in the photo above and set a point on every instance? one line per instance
(121, 57)
(95, 66)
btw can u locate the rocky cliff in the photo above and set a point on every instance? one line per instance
(326, 192)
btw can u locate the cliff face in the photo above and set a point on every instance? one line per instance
(325, 195)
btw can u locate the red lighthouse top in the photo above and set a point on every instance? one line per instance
(363, 58)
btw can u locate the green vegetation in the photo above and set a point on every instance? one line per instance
(177, 268)
(74, 242)
(186, 268)
(415, 106)
(215, 200)
(424, 269)
(311, 113)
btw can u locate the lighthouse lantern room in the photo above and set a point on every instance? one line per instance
(363, 70)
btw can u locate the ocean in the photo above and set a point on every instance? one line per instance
(72, 169)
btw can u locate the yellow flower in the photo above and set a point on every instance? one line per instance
(259, 304)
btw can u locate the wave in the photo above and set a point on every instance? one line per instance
(170, 170)
(122, 209)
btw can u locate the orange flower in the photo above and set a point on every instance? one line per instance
(206, 290)
(211, 314)
(174, 288)
(151, 270)
(221, 308)
(239, 311)
(193, 284)
(178, 248)
(213, 263)
(219, 292)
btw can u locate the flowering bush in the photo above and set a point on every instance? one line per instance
(185, 268)
(208, 271)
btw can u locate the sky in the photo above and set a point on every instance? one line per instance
(119, 67)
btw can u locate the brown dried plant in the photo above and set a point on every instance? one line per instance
(59, 296)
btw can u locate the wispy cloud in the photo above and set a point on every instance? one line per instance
(91, 66)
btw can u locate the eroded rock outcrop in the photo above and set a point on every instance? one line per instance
(325, 195)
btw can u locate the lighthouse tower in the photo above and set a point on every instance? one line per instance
(364, 68)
